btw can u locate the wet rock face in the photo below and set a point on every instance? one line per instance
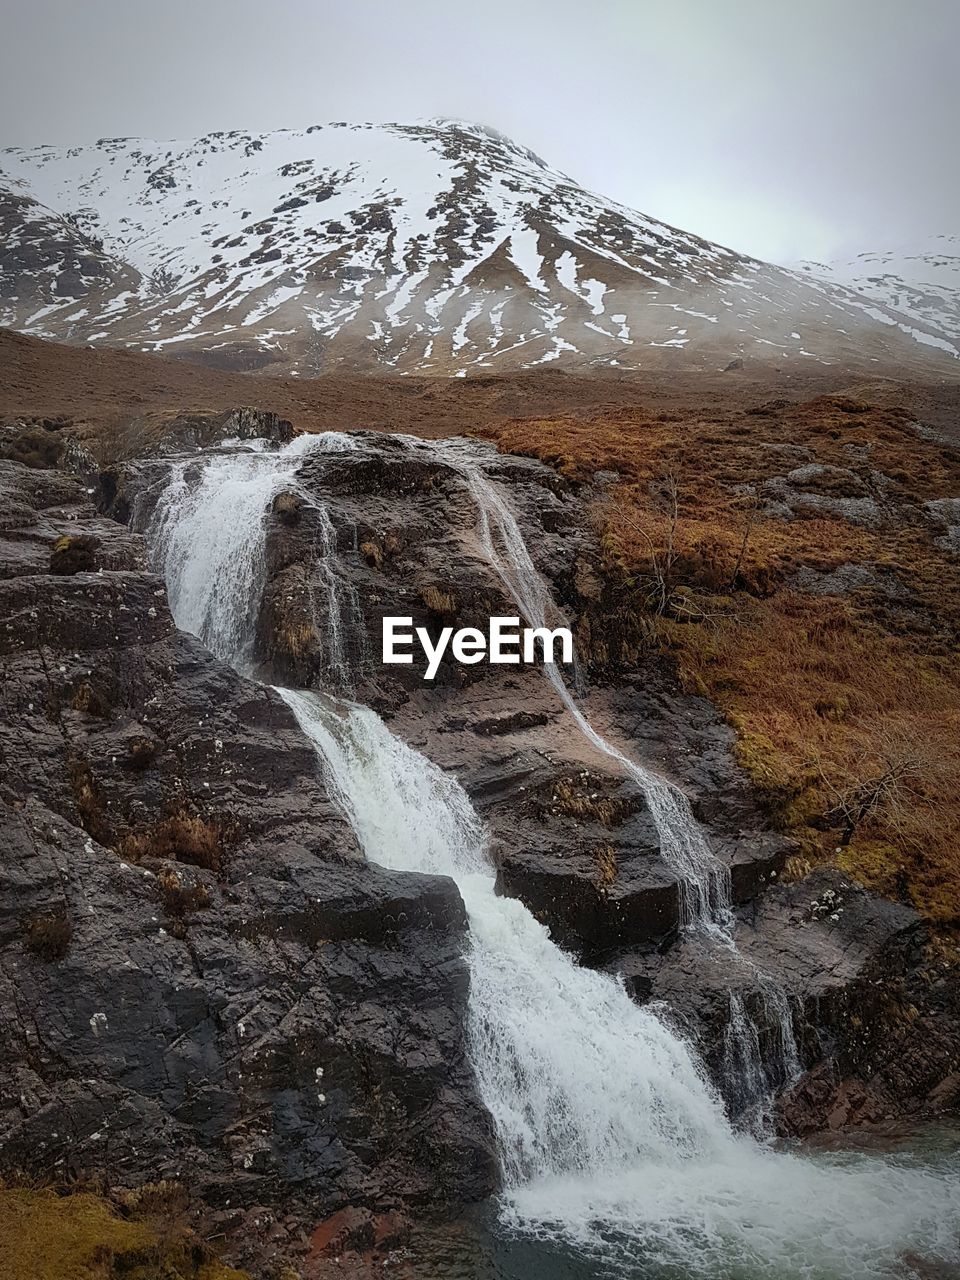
(388, 528)
(570, 837)
(881, 1007)
(207, 430)
(199, 975)
(837, 953)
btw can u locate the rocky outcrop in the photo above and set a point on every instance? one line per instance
(389, 527)
(823, 953)
(881, 1006)
(570, 836)
(200, 975)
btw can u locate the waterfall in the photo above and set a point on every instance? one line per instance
(219, 504)
(703, 880)
(614, 1147)
(340, 609)
(753, 1078)
(544, 1031)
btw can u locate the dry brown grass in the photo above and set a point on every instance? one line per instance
(90, 701)
(443, 603)
(180, 900)
(605, 857)
(846, 705)
(579, 797)
(182, 837)
(372, 551)
(91, 809)
(295, 639)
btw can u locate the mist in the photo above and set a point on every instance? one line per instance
(785, 131)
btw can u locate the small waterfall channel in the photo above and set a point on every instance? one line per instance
(615, 1150)
(703, 880)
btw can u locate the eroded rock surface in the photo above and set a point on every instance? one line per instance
(389, 526)
(200, 975)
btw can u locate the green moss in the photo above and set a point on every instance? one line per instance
(46, 1236)
(876, 863)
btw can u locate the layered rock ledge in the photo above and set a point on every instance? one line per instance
(201, 978)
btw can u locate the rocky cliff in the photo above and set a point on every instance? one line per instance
(204, 979)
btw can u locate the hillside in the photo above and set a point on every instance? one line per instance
(102, 390)
(437, 247)
(174, 846)
(921, 280)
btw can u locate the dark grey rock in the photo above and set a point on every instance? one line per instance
(199, 975)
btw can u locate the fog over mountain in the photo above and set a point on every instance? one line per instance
(787, 131)
(435, 247)
(921, 279)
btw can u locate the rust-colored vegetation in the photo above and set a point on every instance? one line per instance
(182, 837)
(180, 900)
(91, 809)
(587, 798)
(784, 559)
(605, 857)
(439, 601)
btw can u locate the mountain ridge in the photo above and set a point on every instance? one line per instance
(436, 247)
(920, 279)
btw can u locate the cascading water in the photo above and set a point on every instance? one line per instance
(544, 1030)
(704, 881)
(614, 1148)
(340, 605)
(219, 504)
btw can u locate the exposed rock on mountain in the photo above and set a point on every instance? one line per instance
(437, 247)
(919, 281)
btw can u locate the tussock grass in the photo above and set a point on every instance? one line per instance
(182, 837)
(605, 857)
(845, 697)
(84, 1236)
(443, 603)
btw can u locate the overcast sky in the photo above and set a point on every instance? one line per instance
(784, 128)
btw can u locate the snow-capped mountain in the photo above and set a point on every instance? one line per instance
(921, 281)
(439, 247)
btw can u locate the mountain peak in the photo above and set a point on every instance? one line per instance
(438, 246)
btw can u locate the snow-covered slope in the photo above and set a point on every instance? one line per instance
(438, 247)
(921, 281)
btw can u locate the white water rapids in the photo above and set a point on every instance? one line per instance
(611, 1141)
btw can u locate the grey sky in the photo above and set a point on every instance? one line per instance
(793, 129)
